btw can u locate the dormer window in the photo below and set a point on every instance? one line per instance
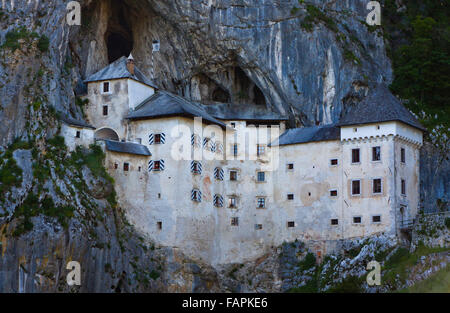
(105, 87)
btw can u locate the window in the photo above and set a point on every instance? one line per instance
(290, 196)
(376, 153)
(116, 166)
(157, 139)
(126, 166)
(218, 201)
(105, 87)
(355, 129)
(355, 156)
(378, 127)
(233, 175)
(233, 125)
(356, 187)
(156, 165)
(334, 162)
(234, 148)
(290, 166)
(206, 142)
(376, 219)
(78, 134)
(402, 155)
(403, 185)
(105, 110)
(291, 224)
(235, 221)
(196, 195)
(260, 149)
(232, 203)
(139, 168)
(218, 173)
(258, 226)
(334, 221)
(196, 167)
(261, 203)
(159, 195)
(261, 176)
(333, 193)
(357, 220)
(159, 225)
(376, 185)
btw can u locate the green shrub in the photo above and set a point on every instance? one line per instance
(308, 262)
(43, 43)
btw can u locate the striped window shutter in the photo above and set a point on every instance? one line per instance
(150, 165)
(163, 138)
(161, 165)
(192, 139)
(213, 147)
(196, 195)
(150, 139)
(199, 167)
(218, 173)
(218, 201)
(205, 142)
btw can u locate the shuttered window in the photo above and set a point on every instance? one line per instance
(196, 195)
(218, 173)
(218, 201)
(158, 165)
(157, 138)
(196, 167)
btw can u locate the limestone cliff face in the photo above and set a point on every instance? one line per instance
(310, 63)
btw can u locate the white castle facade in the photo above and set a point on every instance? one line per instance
(225, 184)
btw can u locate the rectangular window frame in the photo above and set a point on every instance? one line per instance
(402, 155)
(359, 155)
(403, 187)
(332, 191)
(290, 196)
(234, 221)
(360, 188)
(331, 162)
(258, 176)
(288, 165)
(334, 222)
(360, 220)
(105, 110)
(373, 186)
(126, 167)
(373, 154)
(260, 202)
(102, 88)
(232, 202)
(376, 215)
(236, 175)
(290, 224)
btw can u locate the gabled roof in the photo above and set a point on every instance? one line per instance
(308, 134)
(248, 112)
(74, 122)
(117, 70)
(164, 103)
(379, 106)
(127, 147)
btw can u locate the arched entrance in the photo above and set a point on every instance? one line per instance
(106, 133)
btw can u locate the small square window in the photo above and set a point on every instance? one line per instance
(290, 166)
(157, 138)
(78, 134)
(106, 87)
(258, 226)
(355, 156)
(232, 203)
(291, 224)
(376, 153)
(233, 175)
(334, 221)
(105, 110)
(159, 225)
(376, 219)
(357, 220)
(334, 162)
(126, 167)
(376, 185)
(157, 165)
(290, 196)
(261, 203)
(116, 166)
(233, 125)
(261, 176)
(234, 221)
(403, 187)
(333, 193)
(402, 155)
(356, 187)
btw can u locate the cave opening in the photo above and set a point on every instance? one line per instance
(245, 90)
(118, 36)
(220, 95)
(258, 96)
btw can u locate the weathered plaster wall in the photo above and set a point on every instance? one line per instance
(69, 133)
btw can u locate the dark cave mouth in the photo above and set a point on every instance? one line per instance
(118, 46)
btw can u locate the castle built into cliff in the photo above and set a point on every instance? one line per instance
(225, 183)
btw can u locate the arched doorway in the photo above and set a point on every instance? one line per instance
(106, 133)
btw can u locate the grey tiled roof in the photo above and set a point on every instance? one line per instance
(127, 147)
(74, 122)
(118, 69)
(164, 103)
(249, 112)
(379, 106)
(308, 134)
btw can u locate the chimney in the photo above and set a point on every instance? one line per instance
(130, 64)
